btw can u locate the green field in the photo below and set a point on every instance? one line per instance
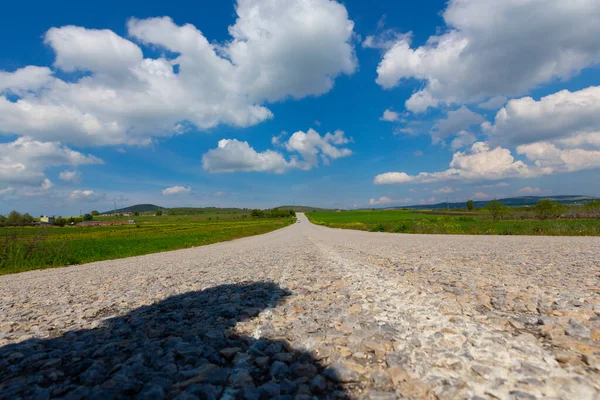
(403, 221)
(27, 248)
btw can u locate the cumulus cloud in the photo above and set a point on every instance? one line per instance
(176, 190)
(494, 185)
(455, 122)
(494, 103)
(86, 195)
(276, 51)
(560, 115)
(445, 190)
(390, 116)
(529, 190)
(480, 163)
(462, 140)
(310, 145)
(232, 155)
(24, 79)
(7, 191)
(430, 200)
(481, 196)
(24, 161)
(495, 48)
(70, 176)
(387, 200)
(549, 156)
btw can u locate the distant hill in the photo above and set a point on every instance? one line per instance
(303, 208)
(510, 201)
(140, 208)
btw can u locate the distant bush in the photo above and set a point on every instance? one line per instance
(274, 213)
(88, 217)
(378, 228)
(496, 209)
(400, 229)
(158, 213)
(16, 219)
(60, 222)
(547, 209)
(95, 213)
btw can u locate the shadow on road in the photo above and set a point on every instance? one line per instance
(181, 347)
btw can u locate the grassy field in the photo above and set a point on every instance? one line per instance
(28, 248)
(403, 221)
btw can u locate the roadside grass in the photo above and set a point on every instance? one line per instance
(402, 221)
(28, 248)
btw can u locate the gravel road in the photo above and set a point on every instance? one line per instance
(312, 312)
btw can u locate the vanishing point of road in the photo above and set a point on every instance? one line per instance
(311, 312)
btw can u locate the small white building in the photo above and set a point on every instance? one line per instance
(46, 219)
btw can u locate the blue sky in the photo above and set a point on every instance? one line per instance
(259, 103)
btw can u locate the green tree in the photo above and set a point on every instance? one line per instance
(14, 218)
(546, 209)
(95, 213)
(137, 214)
(470, 205)
(26, 219)
(158, 213)
(496, 209)
(88, 217)
(60, 222)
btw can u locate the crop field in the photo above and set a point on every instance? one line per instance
(477, 223)
(27, 248)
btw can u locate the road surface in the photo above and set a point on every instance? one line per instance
(308, 311)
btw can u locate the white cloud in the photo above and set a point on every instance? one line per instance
(86, 195)
(494, 103)
(387, 200)
(529, 190)
(495, 48)
(390, 116)
(24, 79)
(445, 190)
(407, 131)
(70, 176)
(549, 156)
(176, 190)
(24, 161)
(101, 51)
(393, 177)
(455, 121)
(232, 155)
(557, 116)
(47, 184)
(418, 153)
(481, 196)
(430, 200)
(277, 50)
(494, 185)
(310, 145)
(7, 191)
(462, 140)
(277, 140)
(480, 163)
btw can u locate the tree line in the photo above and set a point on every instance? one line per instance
(544, 209)
(273, 213)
